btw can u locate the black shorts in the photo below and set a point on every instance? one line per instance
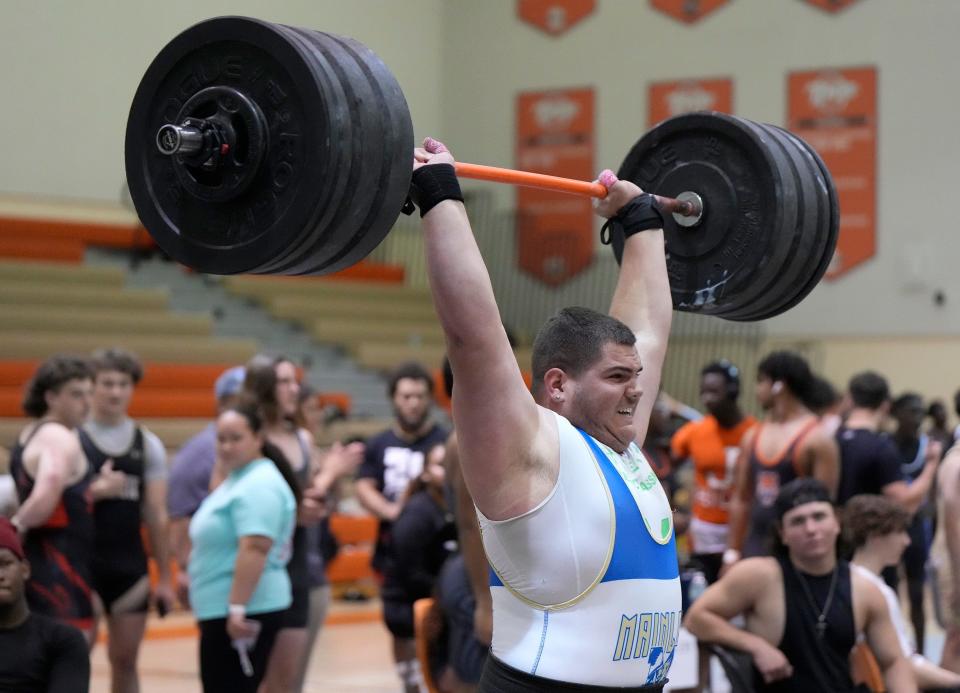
(122, 593)
(398, 617)
(296, 615)
(500, 678)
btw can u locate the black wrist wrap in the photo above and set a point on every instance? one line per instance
(432, 184)
(639, 214)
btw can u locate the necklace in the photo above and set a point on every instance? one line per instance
(822, 616)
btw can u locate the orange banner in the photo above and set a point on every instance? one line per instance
(668, 99)
(554, 16)
(688, 11)
(835, 111)
(555, 231)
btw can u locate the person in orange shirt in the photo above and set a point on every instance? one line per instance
(713, 444)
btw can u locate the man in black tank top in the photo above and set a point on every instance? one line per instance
(115, 443)
(54, 484)
(788, 444)
(804, 609)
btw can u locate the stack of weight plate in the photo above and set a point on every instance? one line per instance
(337, 161)
(770, 218)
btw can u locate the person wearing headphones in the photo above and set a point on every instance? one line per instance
(712, 444)
(788, 444)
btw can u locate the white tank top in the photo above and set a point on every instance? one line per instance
(586, 585)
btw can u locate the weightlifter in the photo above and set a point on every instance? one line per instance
(576, 528)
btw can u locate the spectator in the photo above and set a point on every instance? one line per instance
(945, 558)
(804, 608)
(918, 454)
(869, 461)
(189, 481)
(424, 536)
(37, 653)
(273, 383)
(111, 439)
(788, 444)
(54, 487)
(713, 445)
(876, 529)
(938, 431)
(240, 534)
(391, 461)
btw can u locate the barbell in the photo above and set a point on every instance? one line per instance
(254, 147)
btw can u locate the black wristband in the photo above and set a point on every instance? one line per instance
(639, 214)
(432, 184)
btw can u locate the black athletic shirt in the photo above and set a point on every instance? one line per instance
(392, 463)
(60, 550)
(818, 664)
(868, 462)
(424, 536)
(43, 655)
(118, 545)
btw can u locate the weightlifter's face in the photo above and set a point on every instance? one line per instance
(603, 400)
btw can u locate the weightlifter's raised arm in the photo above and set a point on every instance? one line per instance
(642, 298)
(493, 410)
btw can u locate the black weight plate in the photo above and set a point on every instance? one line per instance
(784, 240)
(334, 193)
(744, 192)
(248, 232)
(390, 161)
(804, 242)
(817, 212)
(827, 190)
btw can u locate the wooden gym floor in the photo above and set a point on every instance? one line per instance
(352, 655)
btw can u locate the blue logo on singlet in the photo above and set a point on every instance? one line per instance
(651, 635)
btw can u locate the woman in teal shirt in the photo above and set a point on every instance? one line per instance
(241, 534)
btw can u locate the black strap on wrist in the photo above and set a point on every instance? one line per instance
(642, 213)
(430, 185)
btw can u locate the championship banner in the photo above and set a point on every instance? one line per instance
(555, 231)
(830, 5)
(668, 99)
(688, 11)
(835, 111)
(554, 16)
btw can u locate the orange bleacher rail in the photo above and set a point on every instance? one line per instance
(150, 403)
(89, 233)
(65, 250)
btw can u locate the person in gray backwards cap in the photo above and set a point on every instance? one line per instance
(189, 481)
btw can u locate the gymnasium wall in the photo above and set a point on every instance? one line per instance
(490, 56)
(71, 69)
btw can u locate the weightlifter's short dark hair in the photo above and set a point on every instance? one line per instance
(573, 339)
